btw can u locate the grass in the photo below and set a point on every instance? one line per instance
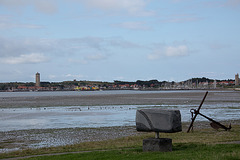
(201, 144)
(181, 151)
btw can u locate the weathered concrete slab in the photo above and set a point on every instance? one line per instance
(158, 120)
(157, 144)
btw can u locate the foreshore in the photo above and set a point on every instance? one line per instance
(35, 138)
(190, 97)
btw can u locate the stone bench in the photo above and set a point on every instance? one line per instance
(158, 120)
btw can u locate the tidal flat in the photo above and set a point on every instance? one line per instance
(45, 119)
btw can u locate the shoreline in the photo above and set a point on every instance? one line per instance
(41, 138)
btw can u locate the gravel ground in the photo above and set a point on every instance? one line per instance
(23, 139)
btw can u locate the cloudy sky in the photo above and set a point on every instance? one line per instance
(125, 40)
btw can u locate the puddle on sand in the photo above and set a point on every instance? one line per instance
(99, 116)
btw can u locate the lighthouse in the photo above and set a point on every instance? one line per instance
(37, 79)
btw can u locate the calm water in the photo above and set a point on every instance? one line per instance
(96, 116)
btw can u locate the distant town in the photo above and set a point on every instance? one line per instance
(83, 85)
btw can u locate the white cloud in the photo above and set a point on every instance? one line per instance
(74, 76)
(181, 50)
(25, 58)
(169, 51)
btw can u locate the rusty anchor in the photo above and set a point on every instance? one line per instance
(214, 124)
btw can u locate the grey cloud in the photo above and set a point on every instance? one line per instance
(52, 48)
(25, 59)
(121, 43)
(44, 6)
(232, 3)
(16, 47)
(218, 46)
(97, 56)
(133, 7)
(7, 23)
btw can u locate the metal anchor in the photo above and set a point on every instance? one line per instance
(216, 125)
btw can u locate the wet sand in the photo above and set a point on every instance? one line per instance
(142, 98)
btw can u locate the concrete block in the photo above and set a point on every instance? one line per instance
(157, 145)
(158, 120)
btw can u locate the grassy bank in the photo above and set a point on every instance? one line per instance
(201, 144)
(181, 151)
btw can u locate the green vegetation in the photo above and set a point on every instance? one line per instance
(201, 144)
(182, 151)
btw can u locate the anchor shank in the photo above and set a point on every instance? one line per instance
(195, 116)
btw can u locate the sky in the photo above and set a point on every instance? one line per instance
(127, 40)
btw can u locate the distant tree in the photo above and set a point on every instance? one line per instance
(29, 84)
(45, 84)
(3, 86)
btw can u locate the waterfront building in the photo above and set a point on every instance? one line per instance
(237, 79)
(37, 79)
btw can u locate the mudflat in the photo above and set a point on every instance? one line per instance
(140, 98)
